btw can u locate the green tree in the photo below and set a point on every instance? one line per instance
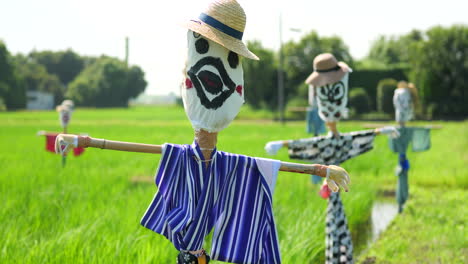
(394, 50)
(106, 83)
(12, 88)
(440, 71)
(359, 100)
(369, 80)
(385, 91)
(65, 64)
(36, 78)
(260, 78)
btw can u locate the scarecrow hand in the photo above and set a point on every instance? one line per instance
(272, 147)
(337, 177)
(64, 143)
(389, 131)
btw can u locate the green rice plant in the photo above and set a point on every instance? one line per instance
(89, 211)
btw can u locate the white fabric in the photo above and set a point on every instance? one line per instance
(269, 169)
(389, 131)
(272, 147)
(331, 183)
(312, 99)
(65, 116)
(65, 111)
(65, 143)
(208, 108)
(332, 100)
(337, 177)
(403, 105)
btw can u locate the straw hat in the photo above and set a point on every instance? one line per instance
(66, 105)
(402, 84)
(327, 70)
(223, 22)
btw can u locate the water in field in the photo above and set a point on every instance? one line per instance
(383, 212)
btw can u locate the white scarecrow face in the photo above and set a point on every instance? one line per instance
(332, 99)
(403, 105)
(214, 84)
(65, 116)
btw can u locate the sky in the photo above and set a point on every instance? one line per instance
(158, 41)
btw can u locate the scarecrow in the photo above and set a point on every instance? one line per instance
(404, 99)
(199, 187)
(330, 84)
(65, 111)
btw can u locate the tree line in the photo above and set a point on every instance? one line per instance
(89, 81)
(435, 61)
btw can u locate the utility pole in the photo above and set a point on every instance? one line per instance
(126, 51)
(280, 74)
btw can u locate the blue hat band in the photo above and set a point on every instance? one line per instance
(220, 26)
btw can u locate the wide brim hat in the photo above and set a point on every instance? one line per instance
(402, 84)
(327, 70)
(66, 105)
(223, 22)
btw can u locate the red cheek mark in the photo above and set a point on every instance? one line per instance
(188, 83)
(239, 89)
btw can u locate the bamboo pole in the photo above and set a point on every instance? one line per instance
(377, 125)
(89, 142)
(49, 133)
(46, 133)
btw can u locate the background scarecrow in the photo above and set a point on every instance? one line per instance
(330, 83)
(404, 99)
(65, 111)
(199, 187)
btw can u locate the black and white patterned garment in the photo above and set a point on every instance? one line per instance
(331, 150)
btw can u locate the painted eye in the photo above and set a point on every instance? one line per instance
(323, 90)
(338, 90)
(196, 35)
(233, 59)
(202, 46)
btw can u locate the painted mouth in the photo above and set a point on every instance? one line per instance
(206, 81)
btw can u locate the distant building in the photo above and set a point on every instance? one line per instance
(37, 100)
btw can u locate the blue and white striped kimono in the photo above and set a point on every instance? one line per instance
(233, 195)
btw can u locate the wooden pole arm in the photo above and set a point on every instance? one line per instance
(89, 142)
(49, 133)
(86, 142)
(377, 125)
(64, 142)
(316, 169)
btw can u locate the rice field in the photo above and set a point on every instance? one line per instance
(89, 211)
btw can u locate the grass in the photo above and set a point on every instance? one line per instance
(424, 233)
(89, 211)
